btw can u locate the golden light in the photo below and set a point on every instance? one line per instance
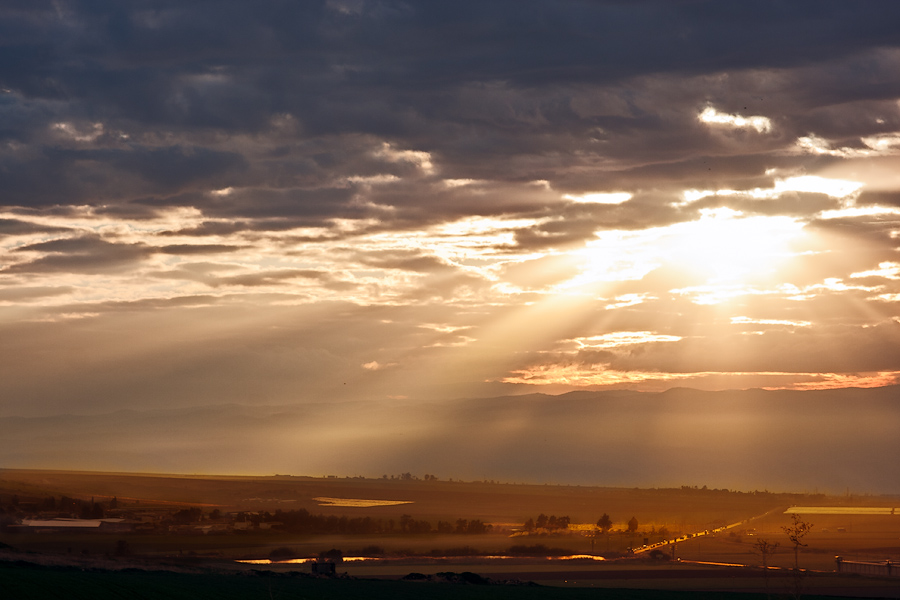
(723, 246)
(813, 184)
(711, 116)
(600, 198)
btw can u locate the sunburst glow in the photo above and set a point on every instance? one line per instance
(725, 246)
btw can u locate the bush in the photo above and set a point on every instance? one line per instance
(334, 555)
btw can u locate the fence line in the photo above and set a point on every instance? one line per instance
(885, 568)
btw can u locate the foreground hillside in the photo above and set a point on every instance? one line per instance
(31, 582)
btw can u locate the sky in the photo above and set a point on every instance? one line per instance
(285, 203)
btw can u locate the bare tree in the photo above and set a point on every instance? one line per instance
(796, 531)
(765, 549)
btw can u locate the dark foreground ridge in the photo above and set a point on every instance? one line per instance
(25, 580)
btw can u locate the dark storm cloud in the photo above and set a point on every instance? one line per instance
(405, 260)
(422, 203)
(188, 249)
(211, 228)
(555, 234)
(310, 206)
(882, 198)
(86, 254)
(500, 90)
(18, 227)
(62, 176)
(278, 277)
(208, 274)
(795, 204)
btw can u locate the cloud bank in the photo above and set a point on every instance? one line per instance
(294, 203)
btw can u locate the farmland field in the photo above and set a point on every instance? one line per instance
(713, 526)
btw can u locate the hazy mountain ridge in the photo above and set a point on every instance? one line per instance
(741, 439)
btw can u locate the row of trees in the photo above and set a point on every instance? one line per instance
(553, 523)
(303, 522)
(604, 524)
(410, 477)
(73, 507)
(550, 523)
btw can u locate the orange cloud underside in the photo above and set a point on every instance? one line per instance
(597, 376)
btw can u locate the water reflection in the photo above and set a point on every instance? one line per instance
(358, 502)
(299, 561)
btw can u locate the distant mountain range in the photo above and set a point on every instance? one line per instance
(828, 441)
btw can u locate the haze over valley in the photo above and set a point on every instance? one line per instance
(826, 441)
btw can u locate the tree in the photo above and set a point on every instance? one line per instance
(632, 524)
(405, 520)
(604, 523)
(333, 555)
(796, 531)
(462, 525)
(765, 549)
(477, 526)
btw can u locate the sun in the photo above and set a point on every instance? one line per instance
(721, 248)
(726, 247)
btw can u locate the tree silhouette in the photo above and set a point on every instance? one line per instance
(765, 549)
(796, 531)
(633, 524)
(604, 523)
